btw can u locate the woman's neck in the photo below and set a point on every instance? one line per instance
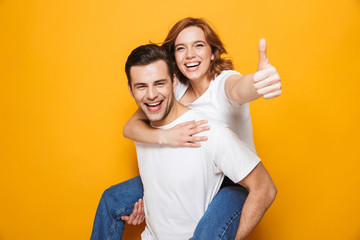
(198, 88)
(195, 90)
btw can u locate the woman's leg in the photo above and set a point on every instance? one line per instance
(222, 217)
(115, 202)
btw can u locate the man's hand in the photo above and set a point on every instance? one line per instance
(266, 80)
(181, 135)
(138, 214)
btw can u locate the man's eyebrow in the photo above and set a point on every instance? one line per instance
(156, 81)
(160, 80)
(139, 84)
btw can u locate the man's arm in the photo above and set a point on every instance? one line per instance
(262, 192)
(265, 82)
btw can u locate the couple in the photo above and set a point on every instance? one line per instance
(182, 180)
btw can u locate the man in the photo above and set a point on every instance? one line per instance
(179, 183)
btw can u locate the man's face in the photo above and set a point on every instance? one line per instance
(152, 89)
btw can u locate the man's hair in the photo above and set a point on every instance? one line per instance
(217, 65)
(145, 55)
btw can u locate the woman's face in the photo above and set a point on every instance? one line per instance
(193, 54)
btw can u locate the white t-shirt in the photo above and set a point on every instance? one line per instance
(179, 183)
(215, 104)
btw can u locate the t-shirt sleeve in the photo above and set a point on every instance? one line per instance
(220, 86)
(232, 156)
(180, 89)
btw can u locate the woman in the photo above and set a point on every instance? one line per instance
(205, 81)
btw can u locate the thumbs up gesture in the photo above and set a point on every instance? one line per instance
(267, 81)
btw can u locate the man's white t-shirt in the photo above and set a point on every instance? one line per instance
(179, 183)
(215, 104)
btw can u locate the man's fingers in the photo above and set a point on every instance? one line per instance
(133, 214)
(263, 61)
(136, 220)
(136, 213)
(141, 212)
(261, 75)
(268, 81)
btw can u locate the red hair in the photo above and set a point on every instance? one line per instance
(217, 65)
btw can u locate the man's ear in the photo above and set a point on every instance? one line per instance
(174, 81)
(129, 87)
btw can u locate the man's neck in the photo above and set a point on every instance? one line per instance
(175, 112)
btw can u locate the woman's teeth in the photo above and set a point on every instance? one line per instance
(190, 65)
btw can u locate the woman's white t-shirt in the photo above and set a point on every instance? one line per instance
(215, 103)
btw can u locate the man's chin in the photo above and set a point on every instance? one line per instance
(154, 117)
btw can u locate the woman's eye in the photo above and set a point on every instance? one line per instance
(180, 48)
(199, 45)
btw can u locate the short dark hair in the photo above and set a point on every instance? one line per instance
(147, 54)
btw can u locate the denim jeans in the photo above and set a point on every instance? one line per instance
(220, 221)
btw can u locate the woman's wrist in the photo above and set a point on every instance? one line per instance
(160, 136)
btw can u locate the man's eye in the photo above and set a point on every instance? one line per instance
(160, 84)
(140, 87)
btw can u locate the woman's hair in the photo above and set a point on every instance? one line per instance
(217, 65)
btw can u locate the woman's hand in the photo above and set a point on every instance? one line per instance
(181, 135)
(138, 214)
(267, 81)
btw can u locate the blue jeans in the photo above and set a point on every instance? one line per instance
(220, 220)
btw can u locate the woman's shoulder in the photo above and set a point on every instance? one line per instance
(225, 74)
(219, 81)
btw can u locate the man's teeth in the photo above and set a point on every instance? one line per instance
(192, 64)
(153, 104)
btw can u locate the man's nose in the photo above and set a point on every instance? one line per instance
(152, 93)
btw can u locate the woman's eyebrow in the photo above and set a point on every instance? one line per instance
(197, 41)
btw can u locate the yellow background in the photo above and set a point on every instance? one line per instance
(64, 102)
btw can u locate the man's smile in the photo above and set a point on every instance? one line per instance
(154, 107)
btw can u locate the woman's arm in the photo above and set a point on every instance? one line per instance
(181, 135)
(265, 82)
